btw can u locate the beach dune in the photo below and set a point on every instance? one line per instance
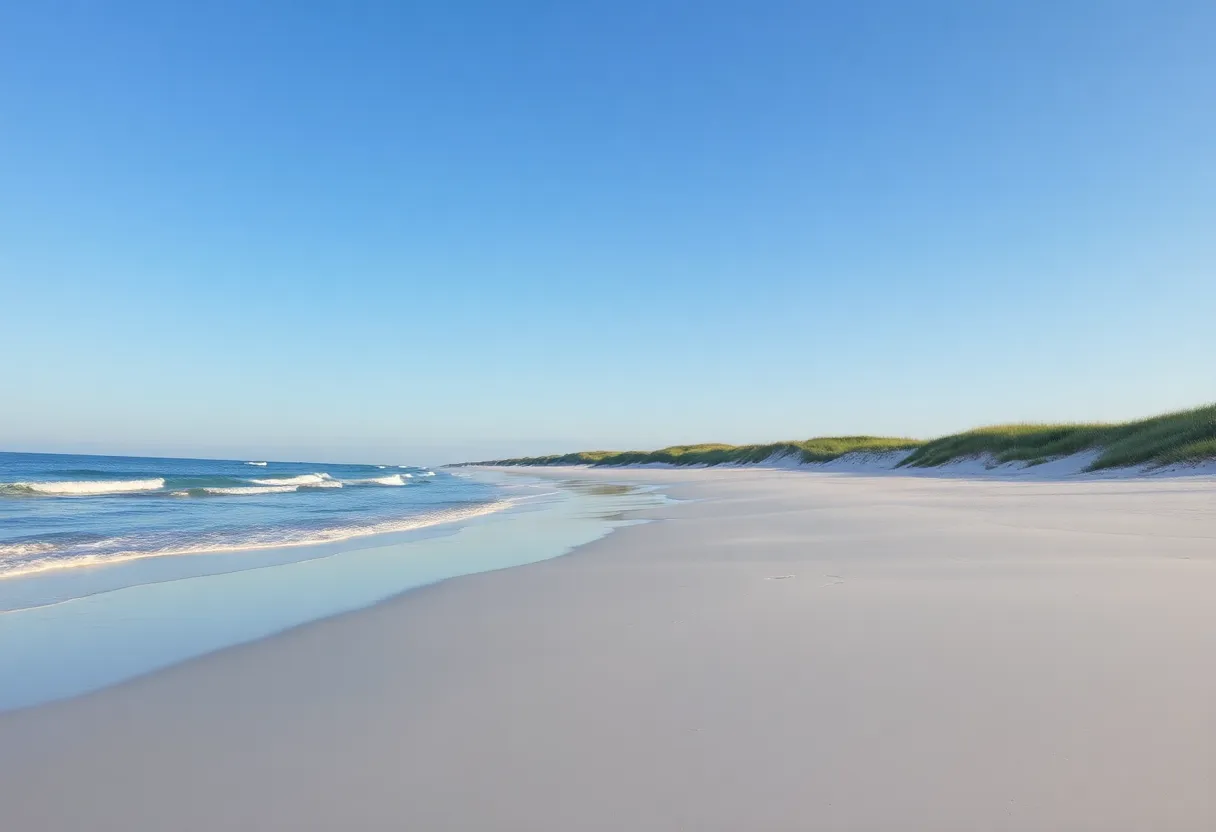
(782, 651)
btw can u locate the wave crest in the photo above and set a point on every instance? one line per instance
(15, 564)
(242, 490)
(391, 479)
(302, 479)
(82, 488)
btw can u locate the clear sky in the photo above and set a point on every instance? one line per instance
(427, 231)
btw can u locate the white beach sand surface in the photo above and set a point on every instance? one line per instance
(784, 651)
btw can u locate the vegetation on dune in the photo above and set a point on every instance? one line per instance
(1184, 437)
(822, 449)
(1008, 443)
(1187, 436)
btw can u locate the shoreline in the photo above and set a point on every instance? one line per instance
(125, 621)
(415, 523)
(778, 651)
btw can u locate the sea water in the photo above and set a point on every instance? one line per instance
(111, 567)
(62, 512)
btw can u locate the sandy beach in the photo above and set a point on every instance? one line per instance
(783, 650)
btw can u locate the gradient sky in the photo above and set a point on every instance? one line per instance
(429, 231)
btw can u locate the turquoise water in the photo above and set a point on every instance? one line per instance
(60, 512)
(70, 630)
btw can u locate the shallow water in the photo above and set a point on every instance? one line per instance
(62, 512)
(129, 618)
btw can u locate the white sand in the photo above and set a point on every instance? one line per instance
(791, 651)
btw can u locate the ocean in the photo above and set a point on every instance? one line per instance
(114, 567)
(62, 512)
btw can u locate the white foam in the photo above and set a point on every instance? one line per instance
(25, 549)
(391, 479)
(322, 536)
(77, 488)
(263, 464)
(302, 479)
(241, 490)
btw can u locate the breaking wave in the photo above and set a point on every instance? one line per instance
(21, 549)
(17, 559)
(391, 479)
(242, 490)
(302, 479)
(82, 488)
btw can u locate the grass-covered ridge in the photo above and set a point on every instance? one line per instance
(1188, 436)
(822, 449)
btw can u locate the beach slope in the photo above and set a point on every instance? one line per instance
(783, 651)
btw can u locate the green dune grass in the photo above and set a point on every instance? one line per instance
(1185, 437)
(823, 449)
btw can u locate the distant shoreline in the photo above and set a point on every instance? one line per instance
(1176, 441)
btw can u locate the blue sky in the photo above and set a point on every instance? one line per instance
(423, 232)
